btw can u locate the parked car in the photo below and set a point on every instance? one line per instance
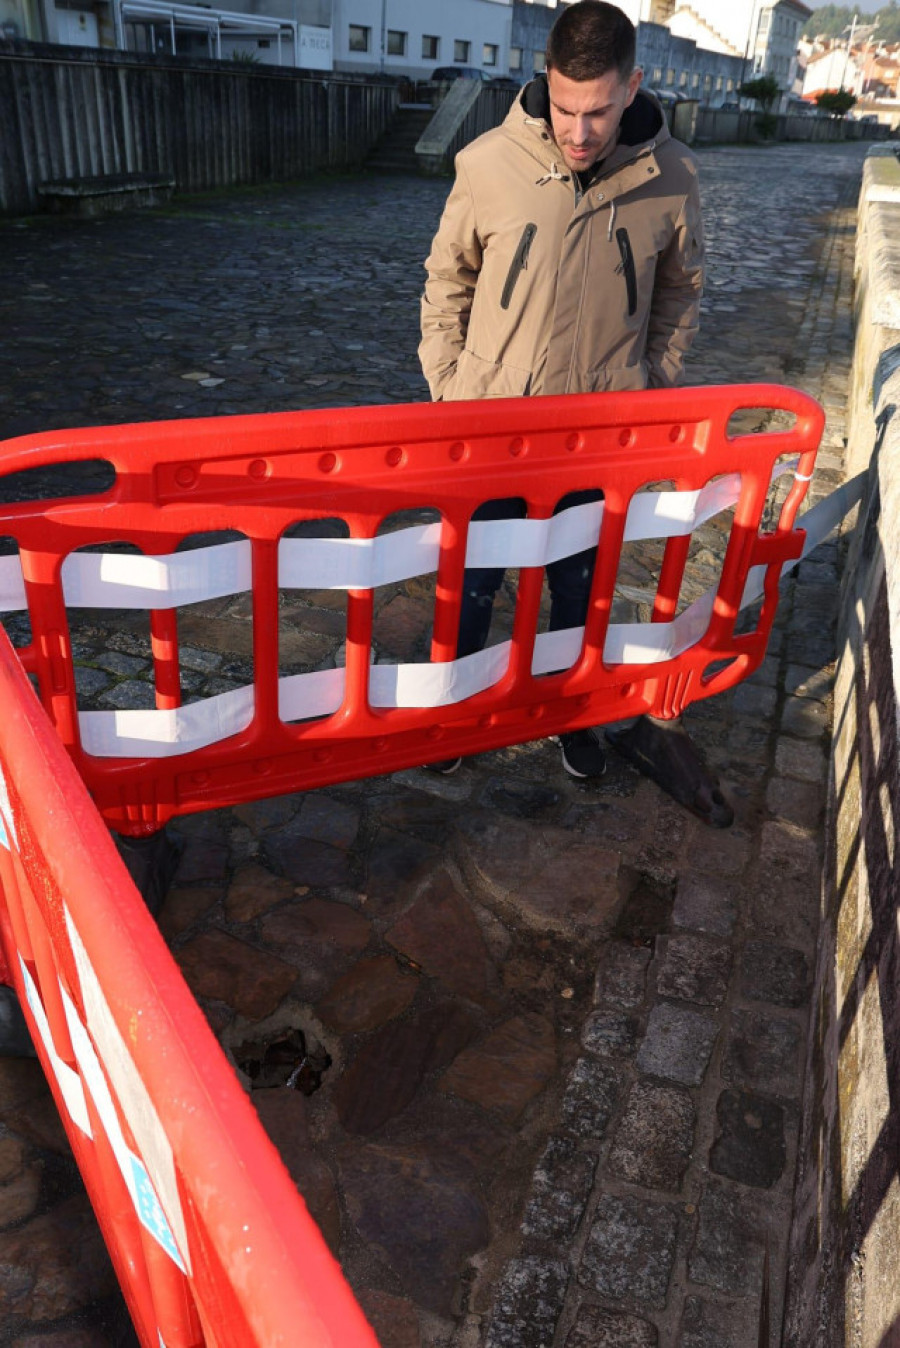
(667, 97)
(505, 82)
(730, 106)
(445, 73)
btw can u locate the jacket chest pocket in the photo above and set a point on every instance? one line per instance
(627, 270)
(518, 264)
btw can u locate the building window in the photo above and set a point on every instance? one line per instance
(683, 79)
(718, 84)
(431, 46)
(515, 58)
(729, 87)
(489, 54)
(359, 37)
(539, 61)
(461, 51)
(695, 81)
(657, 74)
(396, 43)
(670, 76)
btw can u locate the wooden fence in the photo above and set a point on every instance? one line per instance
(73, 112)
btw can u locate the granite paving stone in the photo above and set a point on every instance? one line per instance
(597, 1327)
(590, 1098)
(678, 1043)
(528, 1304)
(725, 1324)
(694, 969)
(763, 1052)
(611, 1034)
(654, 1138)
(750, 1146)
(774, 973)
(704, 904)
(622, 976)
(729, 1243)
(525, 996)
(630, 1251)
(562, 1185)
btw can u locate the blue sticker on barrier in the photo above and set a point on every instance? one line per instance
(4, 835)
(150, 1213)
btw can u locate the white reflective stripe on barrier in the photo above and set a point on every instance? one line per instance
(12, 585)
(9, 838)
(175, 730)
(159, 734)
(358, 563)
(437, 685)
(140, 1190)
(150, 1177)
(69, 1081)
(171, 580)
(508, 543)
(126, 580)
(671, 514)
(302, 696)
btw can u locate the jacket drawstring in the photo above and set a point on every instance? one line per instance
(612, 221)
(554, 175)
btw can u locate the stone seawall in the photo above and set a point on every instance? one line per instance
(844, 1287)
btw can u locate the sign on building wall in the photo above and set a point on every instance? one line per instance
(316, 48)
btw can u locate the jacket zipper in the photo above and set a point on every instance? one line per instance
(628, 269)
(518, 264)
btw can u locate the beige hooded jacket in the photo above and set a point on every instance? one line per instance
(536, 288)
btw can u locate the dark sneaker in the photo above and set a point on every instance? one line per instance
(445, 767)
(582, 754)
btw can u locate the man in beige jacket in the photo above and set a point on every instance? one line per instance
(569, 259)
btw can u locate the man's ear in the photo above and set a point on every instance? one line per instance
(634, 83)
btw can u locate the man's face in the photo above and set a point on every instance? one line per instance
(585, 114)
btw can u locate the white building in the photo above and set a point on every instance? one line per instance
(836, 69)
(764, 33)
(413, 37)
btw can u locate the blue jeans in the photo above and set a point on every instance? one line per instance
(569, 579)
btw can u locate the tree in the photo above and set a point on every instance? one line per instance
(829, 21)
(763, 90)
(888, 23)
(836, 101)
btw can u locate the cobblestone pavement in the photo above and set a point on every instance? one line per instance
(537, 1127)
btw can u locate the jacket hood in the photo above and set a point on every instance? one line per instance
(643, 121)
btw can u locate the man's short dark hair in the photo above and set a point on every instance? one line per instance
(589, 39)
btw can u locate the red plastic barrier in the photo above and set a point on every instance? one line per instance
(210, 1240)
(260, 475)
(211, 1243)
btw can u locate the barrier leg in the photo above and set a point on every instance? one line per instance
(665, 752)
(152, 862)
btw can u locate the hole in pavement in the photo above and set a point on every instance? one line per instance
(293, 1059)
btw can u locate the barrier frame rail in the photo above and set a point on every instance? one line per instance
(259, 475)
